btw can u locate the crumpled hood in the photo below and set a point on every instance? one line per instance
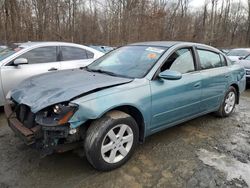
(44, 90)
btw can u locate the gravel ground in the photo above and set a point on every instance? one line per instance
(205, 152)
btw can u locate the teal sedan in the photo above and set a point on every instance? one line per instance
(123, 97)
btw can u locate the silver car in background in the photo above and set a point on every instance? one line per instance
(33, 58)
(238, 53)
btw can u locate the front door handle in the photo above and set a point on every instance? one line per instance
(197, 85)
(53, 69)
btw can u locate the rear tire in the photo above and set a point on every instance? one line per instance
(229, 102)
(111, 140)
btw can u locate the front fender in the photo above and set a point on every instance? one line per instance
(138, 97)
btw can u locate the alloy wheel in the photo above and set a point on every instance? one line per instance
(230, 102)
(117, 143)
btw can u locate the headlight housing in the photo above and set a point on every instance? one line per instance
(58, 114)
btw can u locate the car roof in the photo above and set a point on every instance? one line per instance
(157, 43)
(169, 44)
(31, 44)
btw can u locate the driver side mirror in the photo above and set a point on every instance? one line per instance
(170, 75)
(240, 58)
(21, 61)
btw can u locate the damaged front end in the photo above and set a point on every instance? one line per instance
(38, 113)
(48, 130)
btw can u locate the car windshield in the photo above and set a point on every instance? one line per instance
(4, 53)
(128, 61)
(241, 53)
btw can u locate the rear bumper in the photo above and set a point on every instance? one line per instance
(27, 135)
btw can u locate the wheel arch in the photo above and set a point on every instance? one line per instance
(137, 115)
(132, 111)
(237, 91)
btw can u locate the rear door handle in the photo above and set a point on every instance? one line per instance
(227, 75)
(53, 69)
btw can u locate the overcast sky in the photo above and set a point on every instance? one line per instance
(198, 3)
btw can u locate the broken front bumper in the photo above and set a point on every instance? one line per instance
(27, 135)
(46, 139)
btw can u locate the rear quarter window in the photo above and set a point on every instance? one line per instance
(90, 54)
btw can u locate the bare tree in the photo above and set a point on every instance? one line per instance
(248, 25)
(117, 22)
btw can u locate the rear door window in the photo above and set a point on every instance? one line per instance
(209, 59)
(74, 53)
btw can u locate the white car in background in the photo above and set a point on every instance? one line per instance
(33, 58)
(238, 53)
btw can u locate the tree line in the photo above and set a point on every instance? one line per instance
(222, 23)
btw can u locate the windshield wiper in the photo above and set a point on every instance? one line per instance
(104, 72)
(87, 69)
(101, 71)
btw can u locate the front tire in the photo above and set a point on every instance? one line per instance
(229, 102)
(111, 140)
